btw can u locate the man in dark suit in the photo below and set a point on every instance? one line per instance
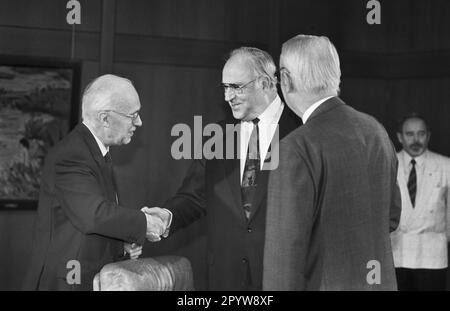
(80, 224)
(232, 192)
(333, 200)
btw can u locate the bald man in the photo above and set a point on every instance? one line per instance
(80, 224)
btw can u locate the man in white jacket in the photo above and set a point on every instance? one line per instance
(420, 242)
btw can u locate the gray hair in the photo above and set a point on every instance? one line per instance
(313, 63)
(260, 62)
(102, 93)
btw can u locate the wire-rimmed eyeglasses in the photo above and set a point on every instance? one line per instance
(132, 116)
(236, 88)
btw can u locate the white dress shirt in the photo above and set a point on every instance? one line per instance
(313, 107)
(268, 122)
(102, 147)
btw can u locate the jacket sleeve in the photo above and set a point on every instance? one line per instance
(189, 203)
(82, 200)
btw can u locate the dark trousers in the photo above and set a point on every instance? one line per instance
(421, 279)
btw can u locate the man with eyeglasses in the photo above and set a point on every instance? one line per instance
(333, 199)
(81, 225)
(232, 192)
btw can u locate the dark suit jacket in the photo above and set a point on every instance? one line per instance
(330, 205)
(78, 218)
(234, 245)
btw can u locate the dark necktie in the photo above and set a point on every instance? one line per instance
(251, 169)
(108, 161)
(108, 158)
(412, 183)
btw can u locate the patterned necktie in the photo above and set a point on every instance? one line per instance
(412, 183)
(251, 169)
(108, 160)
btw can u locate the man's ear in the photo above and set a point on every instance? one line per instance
(266, 83)
(286, 82)
(103, 118)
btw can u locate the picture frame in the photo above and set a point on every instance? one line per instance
(39, 105)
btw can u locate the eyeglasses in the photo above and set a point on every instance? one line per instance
(236, 88)
(132, 116)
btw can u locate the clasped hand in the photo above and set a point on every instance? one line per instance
(158, 221)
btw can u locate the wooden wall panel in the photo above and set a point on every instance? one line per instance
(48, 43)
(171, 51)
(315, 17)
(16, 236)
(179, 19)
(218, 20)
(48, 14)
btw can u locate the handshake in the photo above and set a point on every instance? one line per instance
(158, 222)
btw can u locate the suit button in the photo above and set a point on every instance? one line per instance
(244, 260)
(249, 230)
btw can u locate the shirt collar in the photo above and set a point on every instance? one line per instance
(102, 147)
(419, 160)
(269, 115)
(313, 107)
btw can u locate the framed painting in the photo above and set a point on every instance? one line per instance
(39, 105)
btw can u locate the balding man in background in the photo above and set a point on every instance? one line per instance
(420, 242)
(80, 224)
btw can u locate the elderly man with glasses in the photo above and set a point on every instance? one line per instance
(81, 225)
(232, 192)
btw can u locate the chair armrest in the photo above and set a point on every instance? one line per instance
(165, 273)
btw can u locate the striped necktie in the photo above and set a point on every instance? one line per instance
(412, 183)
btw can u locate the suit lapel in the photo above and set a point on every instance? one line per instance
(107, 174)
(233, 165)
(407, 209)
(426, 184)
(287, 123)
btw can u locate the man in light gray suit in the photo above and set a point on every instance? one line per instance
(334, 199)
(420, 241)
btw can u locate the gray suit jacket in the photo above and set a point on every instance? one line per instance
(331, 205)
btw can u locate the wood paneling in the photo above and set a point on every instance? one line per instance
(171, 51)
(107, 36)
(218, 20)
(49, 14)
(48, 43)
(395, 66)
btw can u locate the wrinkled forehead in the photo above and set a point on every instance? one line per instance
(237, 70)
(126, 99)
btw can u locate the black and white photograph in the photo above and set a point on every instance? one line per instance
(227, 150)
